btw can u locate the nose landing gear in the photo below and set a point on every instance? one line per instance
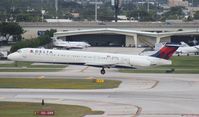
(103, 71)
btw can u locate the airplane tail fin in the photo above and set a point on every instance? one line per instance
(166, 51)
(158, 46)
(184, 44)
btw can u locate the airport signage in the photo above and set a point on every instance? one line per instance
(99, 81)
(45, 113)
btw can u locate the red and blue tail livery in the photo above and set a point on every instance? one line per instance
(166, 51)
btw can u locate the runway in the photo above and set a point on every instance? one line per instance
(143, 95)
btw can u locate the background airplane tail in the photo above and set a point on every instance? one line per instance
(166, 51)
(184, 44)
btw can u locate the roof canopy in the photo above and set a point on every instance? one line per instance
(123, 32)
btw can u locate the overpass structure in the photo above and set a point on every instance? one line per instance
(118, 34)
(132, 38)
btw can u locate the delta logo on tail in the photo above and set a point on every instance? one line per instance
(166, 51)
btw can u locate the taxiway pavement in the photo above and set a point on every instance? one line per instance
(143, 95)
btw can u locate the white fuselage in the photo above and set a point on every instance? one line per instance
(187, 50)
(70, 44)
(85, 58)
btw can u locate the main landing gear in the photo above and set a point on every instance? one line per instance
(103, 71)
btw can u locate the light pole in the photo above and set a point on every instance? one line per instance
(95, 10)
(192, 3)
(116, 9)
(56, 7)
(147, 5)
(42, 13)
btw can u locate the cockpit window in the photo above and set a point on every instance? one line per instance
(31, 51)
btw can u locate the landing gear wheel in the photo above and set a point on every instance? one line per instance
(103, 71)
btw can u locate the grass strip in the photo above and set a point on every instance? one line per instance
(38, 83)
(29, 65)
(31, 70)
(23, 109)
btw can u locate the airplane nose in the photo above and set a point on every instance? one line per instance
(12, 56)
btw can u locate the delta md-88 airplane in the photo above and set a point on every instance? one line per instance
(95, 59)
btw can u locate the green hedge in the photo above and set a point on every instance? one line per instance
(33, 43)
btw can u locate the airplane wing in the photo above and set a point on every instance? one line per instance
(109, 65)
(105, 65)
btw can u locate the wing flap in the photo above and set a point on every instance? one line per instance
(101, 64)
